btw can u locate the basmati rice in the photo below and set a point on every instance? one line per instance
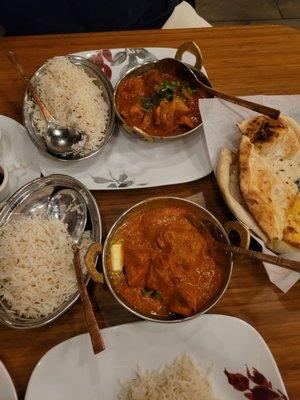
(73, 99)
(180, 380)
(36, 265)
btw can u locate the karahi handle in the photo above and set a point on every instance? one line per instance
(93, 251)
(193, 48)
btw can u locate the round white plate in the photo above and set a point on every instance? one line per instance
(70, 371)
(7, 388)
(128, 162)
(18, 154)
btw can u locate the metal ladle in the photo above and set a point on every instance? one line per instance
(59, 140)
(243, 248)
(179, 69)
(69, 207)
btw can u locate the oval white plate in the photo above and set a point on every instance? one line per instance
(7, 388)
(70, 371)
(128, 162)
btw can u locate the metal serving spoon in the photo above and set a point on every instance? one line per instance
(69, 206)
(59, 140)
(292, 265)
(181, 70)
(244, 238)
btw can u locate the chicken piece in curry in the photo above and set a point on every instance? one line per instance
(159, 103)
(168, 264)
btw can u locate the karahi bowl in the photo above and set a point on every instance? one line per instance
(140, 70)
(213, 226)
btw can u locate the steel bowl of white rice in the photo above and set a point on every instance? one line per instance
(37, 276)
(77, 94)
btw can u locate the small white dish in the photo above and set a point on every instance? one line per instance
(70, 371)
(7, 388)
(4, 183)
(18, 154)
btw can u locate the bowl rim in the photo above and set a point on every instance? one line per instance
(134, 129)
(107, 87)
(22, 194)
(4, 173)
(120, 220)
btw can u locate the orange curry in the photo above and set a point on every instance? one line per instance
(159, 103)
(169, 267)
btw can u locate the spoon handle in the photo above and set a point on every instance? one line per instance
(12, 58)
(256, 255)
(259, 108)
(90, 319)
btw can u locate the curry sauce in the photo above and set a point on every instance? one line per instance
(159, 103)
(168, 263)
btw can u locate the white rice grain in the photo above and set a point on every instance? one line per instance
(180, 380)
(36, 265)
(73, 99)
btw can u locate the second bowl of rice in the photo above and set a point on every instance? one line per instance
(77, 94)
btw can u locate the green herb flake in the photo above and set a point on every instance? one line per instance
(146, 103)
(151, 293)
(169, 86)
(147, 293)
(157, 295)
(165, 91)
(190, 89)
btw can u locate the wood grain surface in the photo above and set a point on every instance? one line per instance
(240, 61)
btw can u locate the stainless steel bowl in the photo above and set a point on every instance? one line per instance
(190, 47)
(211, 223)
(33, 199)
(100, 80)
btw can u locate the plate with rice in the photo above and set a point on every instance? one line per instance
(125, 161)
(215, 357)
(78, 95)
(37, 276)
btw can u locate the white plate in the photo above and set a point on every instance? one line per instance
(70, 371)
(7, 388)
(17, 153)
(126, 162)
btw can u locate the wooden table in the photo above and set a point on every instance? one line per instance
(243, 61)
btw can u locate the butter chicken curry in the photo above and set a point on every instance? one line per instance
(161, 264)
(159, 103)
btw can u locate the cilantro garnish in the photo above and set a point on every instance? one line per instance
(166, 91)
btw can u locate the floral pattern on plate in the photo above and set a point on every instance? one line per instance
(133, 56)
(261, 387)
(123, 181)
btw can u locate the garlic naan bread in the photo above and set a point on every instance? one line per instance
(272, 138)
(227, 175)
(268, 187)
(267, 176)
